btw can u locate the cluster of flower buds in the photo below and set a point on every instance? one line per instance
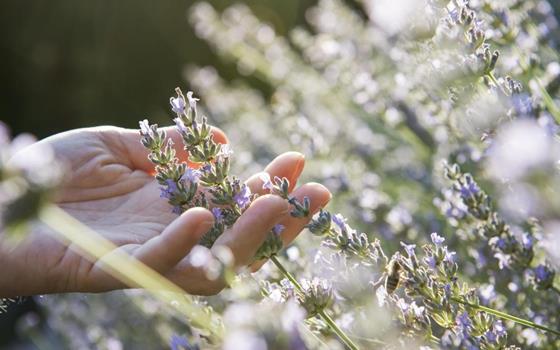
(512, 252)
(432, 281)
(207, 183)
(342, 238)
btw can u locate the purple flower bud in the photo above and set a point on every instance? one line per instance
(206, 169)
(267, 184)
(501, 243)
(218, 214)
(499, 328)
(468, 190)
(522, 104)
(192, 100)
(170, 190)
(191, 175)
(437, 239)
(430, 261)
(449, 256)
(180, 125)
(409, 248)
(181, 343)
(278, 228)
(464, 324)
(145, 129)
(339, 221)
(177, 105)
(542, 273)
(243, 197)
(177, 209)
(490, 336)
(402, 305)
(527, 240)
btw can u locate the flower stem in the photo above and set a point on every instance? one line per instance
(506, 316)
(549, 101)
(347, 341)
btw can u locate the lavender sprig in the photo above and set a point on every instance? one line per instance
(185, 188)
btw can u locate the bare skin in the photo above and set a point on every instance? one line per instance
(109, 187)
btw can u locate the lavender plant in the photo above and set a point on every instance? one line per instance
(431, 281)
(378, 95)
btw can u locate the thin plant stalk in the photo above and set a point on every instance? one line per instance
(128, 270)
(506, 316)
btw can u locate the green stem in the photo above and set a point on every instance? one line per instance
(347, 341)
(506, 316)
(549, 102)
(495, 81)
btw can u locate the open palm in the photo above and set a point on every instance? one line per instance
(109, 187)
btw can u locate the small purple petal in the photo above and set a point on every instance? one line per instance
(243, 197)
(267, 184)
(278, 228)
(340, 221)
(437, 239)
(218, 214)
(409, 248)
(177, 105)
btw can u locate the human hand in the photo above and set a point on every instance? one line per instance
(109, 187)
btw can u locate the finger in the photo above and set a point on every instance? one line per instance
(163, 252)
(138, 154)
(243, 240)
(289, 165)
(250, 230)
(319, 196)
(160, 253)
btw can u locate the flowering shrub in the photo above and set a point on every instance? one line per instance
(435, 126)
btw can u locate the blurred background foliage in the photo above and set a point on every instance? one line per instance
(67, 64)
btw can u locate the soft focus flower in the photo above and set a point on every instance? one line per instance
(169, 190)
(192, 100)
(178, 342)
(278, 228)
(218, 215)
(191, 175)
(464, 324)
(145, 128)
(437, 239)
(409, 248)
(267, 183)
(339, 221)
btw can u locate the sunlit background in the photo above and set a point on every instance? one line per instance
(71, 64)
